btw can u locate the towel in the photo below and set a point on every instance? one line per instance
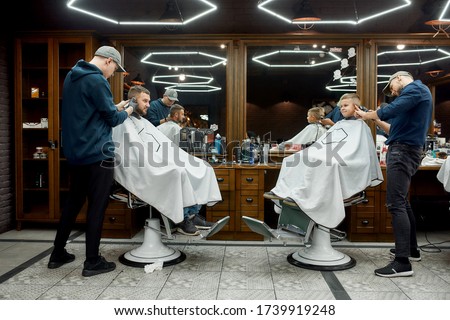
(341, 163)
(443, 174)
(153, 168)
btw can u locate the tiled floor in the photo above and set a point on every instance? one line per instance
(215, 270)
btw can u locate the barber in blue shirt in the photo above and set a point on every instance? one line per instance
(409, 117)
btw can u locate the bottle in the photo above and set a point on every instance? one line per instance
(266, 149)
(251, 158)
(218, 144)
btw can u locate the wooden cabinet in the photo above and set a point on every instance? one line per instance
(41, 171)
(370, 220)
(242, 192)
(226, 207)
(41, 65)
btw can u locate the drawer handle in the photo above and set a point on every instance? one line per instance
(365, 222)
(249, 200)
(220, 179)
(112, 219)
(249, 179)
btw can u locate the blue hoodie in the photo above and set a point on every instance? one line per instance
(88, 115)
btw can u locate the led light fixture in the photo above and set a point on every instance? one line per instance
(194, 88)
(203, 60)
(264, 5)
(265, 59)
(423, 56)
(210, 7)
(174, 79)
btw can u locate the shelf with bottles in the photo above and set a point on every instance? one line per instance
(32, 139)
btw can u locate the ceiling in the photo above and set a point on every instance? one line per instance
(230, 17)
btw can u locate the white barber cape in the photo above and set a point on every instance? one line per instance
(443, 174)
(309, 134)
(341, 163)
(153, 168)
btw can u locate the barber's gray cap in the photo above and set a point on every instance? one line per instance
(172, 94)
(387, 88)
(110, 52)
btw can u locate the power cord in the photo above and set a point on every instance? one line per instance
(430, 247)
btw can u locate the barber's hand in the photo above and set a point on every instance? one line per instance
(326, 122)
(121, 105)
(359, 114)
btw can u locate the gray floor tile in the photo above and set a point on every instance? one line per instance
(246, 280)
(22, 291)
(291, 294)
(129, 293)
(216, 270)
(193, 280)
(72, 293)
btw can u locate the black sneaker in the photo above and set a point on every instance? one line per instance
(395, 269)
(57, 260)
(188, 228)
(200, 222)
(101, 266)
(415, 255)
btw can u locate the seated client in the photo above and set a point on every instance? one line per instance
(153, 168)
(340, 164)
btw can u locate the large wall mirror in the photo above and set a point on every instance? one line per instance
(429, 63)
(198, 73)
(284, 81)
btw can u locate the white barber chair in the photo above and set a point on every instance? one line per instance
(153, 249)
(295, 225)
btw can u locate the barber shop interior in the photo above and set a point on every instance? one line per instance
(308, 161)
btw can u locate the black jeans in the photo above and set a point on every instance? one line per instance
(402, 162)
(93, 182)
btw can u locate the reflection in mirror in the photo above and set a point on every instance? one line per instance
(430, 64)
(197, 73)
(425, 63)
(283, 82)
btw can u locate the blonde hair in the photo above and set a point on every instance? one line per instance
(316, 112)
(351, 96)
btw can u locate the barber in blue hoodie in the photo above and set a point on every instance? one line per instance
(88, 116)
(406, 120)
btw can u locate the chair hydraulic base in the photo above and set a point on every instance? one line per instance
(320, 255)
(152, 249)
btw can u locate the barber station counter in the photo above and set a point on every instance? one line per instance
(243, 186)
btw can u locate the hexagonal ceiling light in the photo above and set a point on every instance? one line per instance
(279, 58)
(192, 59)
(210, 7)
(360, 18)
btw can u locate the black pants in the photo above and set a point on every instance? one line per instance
(92, 182)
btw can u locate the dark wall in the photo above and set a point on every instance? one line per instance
(6, 139)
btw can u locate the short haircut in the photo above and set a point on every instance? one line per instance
(316, 112)
(351, 96)
(174, 109)
(137, 90)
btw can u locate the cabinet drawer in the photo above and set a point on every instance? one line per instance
(365, 225)
(249, 180)
(249, 201)
(223, 205)
(114, 221)
(224, 178)
(370, 205)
